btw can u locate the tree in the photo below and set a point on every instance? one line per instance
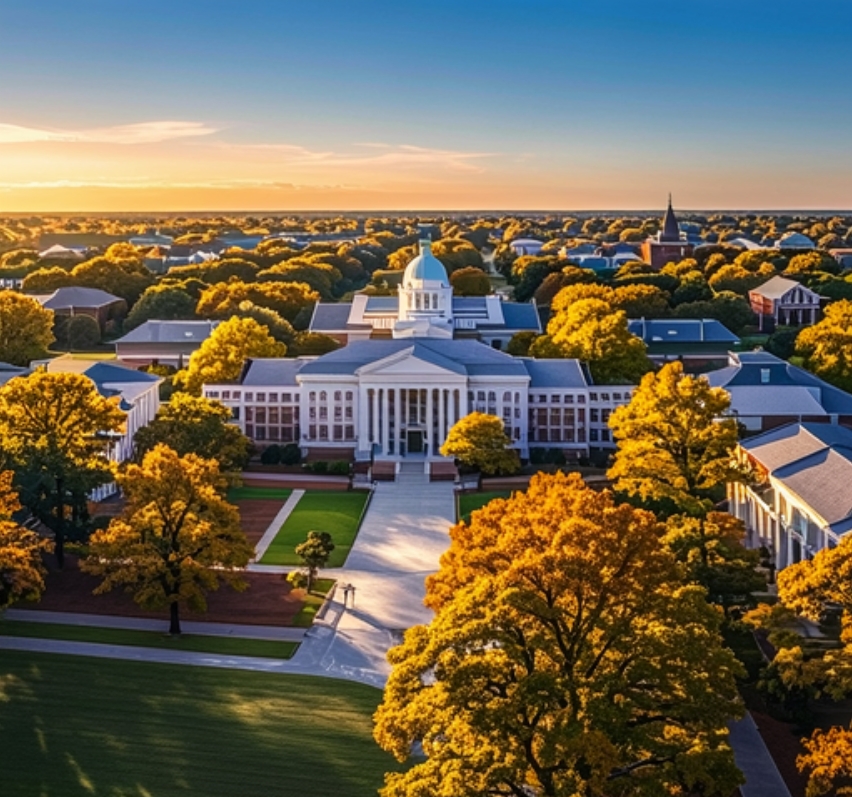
(314, 553)
(313, 344)
(195, 425)
(177, 538)
(565, 658)
(220, 358)
(161, 303)
(726, 307)
(519, 345)
(479, 441)
(827, 346)
(673, 444)
(26, 328)
(21, 570)
(591, 331)
(470, 281)
(811, 262)
(77, 332)
(829, 762)
(55, 429)
(288, 299)
(46, 280)
(127, 278)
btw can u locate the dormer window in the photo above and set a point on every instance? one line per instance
(764, 376)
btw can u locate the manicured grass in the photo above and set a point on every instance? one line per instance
(313, 601)
(469, 502)
(246, 493)
(226, 646)
(77, 726)
(338, 513)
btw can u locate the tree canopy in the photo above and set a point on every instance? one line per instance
(220, 358)
(479, 441)
(177, 538)
(55, 428)
(26, 328)
(827, 345)
(565, 658)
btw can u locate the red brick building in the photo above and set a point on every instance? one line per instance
(667, 246)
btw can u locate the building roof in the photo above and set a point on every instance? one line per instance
(783, 387)
(271, 372)
(466, 356)
(814, 461)
(671, 229)
(170, 332)
(695, 331)
(555, 373)
(794, 240)
(67, 298)
(776, 287)
(425, 271)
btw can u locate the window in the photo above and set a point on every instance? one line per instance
(312, 432)
(594, 415)
(554, 399)
(323, 432)
(312, 413)
(507, 397)
(312, 396)
(260, 433)
(605, 415)
(226, 394)
(492, 397)
(287, 415)
(604, 396)
(323, 413)
(593, 435)
(261, 397)
(555, 417)
(214, 394)
(274, 415)
(338, 432)
(285, 397)
(349, 395)
(593, 396)
(348, 412)
(273, 398)
(350, 432)
(274, 432)
(480, 395)
(338, 396)
(249, 396)
(235, 413)
(569, 399)
(323, 396)
(338, 413)
(235, 394)
(260, 415)
(581, 399)
(249, 414)
(287, 434)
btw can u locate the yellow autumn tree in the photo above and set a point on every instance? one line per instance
(21, 569)
(26, 328)
(479, 442)
(828, 762)
(55, 429)
(566, 657)
(221, 357)
(177, 538)
(827, 346)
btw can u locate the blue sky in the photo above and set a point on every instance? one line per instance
(113, 104)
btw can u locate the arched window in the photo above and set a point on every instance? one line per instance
(507, 397)
(312, 396)
(349, 395)
(323, 396)
(337, 395)
(425, 301)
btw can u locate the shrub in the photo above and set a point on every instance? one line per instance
(291, 454)
(338, 468)
(271, 455)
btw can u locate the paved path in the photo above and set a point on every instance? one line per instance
(752, 756)
(277, 523)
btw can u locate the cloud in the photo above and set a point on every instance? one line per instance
(147, 184)
(140, 133)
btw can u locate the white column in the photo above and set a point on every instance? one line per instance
(430, 420)
(397, 419)
(442, 418)
(374, 426)
(385, 421)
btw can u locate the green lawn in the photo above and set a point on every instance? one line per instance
(226, 646)
(246, 493)
(469, 502)
(72, 726)
(313, 601)
(338, 513)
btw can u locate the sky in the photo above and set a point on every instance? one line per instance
(123, 105)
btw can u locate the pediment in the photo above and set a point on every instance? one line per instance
(409, 363)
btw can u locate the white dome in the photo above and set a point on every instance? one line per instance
(425, 271)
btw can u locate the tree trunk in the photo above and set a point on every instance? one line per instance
(174, 618)
(59, 528)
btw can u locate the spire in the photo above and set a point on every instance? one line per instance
(671, 229)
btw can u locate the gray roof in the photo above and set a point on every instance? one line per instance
(776, 287)
(170, 332)
(460, 356)
(783, 393)
(814, 461)
(381, 304)
(330, 317)
(681, 330)
(521, 316)
(555, 373)
(271, 372)
(66, 298)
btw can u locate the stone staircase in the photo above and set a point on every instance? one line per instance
(412, 472)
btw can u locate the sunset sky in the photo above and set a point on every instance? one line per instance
(110, 105)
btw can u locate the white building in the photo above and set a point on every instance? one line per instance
(397, 396)
(426, 308)
(801, 500)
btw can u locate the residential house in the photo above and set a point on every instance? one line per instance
(699, 343)
(163, 342)
(93, 302)
(782, 301)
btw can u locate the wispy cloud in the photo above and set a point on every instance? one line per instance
(379, 155)
(140, 133)
(147, 184)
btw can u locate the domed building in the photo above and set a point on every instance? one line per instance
(412, 366)
(425, 307)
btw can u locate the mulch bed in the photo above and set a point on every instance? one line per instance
(256, 514)
(267, 601)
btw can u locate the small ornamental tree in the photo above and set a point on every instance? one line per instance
(314, 553)
(177, 538)
(479, 441)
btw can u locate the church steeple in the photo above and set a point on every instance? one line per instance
(671, 229)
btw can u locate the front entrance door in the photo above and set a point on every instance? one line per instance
(415, 442)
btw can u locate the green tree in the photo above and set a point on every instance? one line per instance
(479, 441)
(221, 357)
(590, 331)
(195, 425)
(26, 328)
(308, 344)
(565, 658)
(127, 278)
(177, 538)
(314, 553)
(827, 346)
(161, 303)
(21, 570)
(46, 280)
(288, 299)
(54, 427)
(470, 281)
(77, 332)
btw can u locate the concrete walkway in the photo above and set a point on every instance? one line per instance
(276, 524)
(752, 756)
